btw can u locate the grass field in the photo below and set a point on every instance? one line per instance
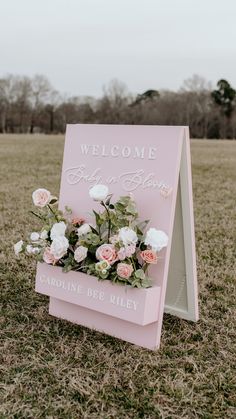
(53, 369)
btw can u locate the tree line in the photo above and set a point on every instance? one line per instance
(31, 105)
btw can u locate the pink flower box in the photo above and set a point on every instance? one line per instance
(140, 306)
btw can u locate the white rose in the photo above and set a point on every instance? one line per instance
(44, 235)
(34, 236)
(127, 236)
(29, 249)
(84, 229)
(57, 230)
(41, 197)
(18, 247)
(157, 239)
(32, 250)
(80, 253)
(59, 247)
(98, 192)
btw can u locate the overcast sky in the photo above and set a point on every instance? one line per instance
(80, 45)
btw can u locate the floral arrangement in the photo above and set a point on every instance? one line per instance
(115, 247)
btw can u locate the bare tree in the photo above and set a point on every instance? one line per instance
(196, 95)
(117, 92)
(54, 100)
(196, 83)
(30, 104)
(7, 96)
(40, 89)
(22, 89)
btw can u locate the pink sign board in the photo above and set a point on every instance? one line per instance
(152, 163)
(135, 305)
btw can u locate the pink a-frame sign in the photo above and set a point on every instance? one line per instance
(153, 163)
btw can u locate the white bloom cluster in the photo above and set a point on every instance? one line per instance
(18, 247)
(60, 243)
(84, 229)
(127, 236)
(34, 236)
(31, 250)
(98, 192)
(58, 229)
(157, 239)
(59, 247)
(44, 235)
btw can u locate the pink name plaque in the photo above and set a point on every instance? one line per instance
(133, 305)
(152, 163)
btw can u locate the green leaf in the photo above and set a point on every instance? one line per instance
(45, 227)
(66, 268)
(143, 246)
(139, 274)
(73, 238)
(89, 239)
(53, 201)
(94, 230)
(98, 218)
(146, 282)
(68, 210)
(139, 232)
(107, 202)
(143, 224)
(124, 200)
(37, 215)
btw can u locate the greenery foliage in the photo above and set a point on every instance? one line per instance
(109, 223)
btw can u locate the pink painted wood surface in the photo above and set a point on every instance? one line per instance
(131, 172)
(131, 304)
(130, 332)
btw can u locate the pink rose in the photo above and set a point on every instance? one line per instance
(149, 256)
(130, 250)
(126, 252)
(41, 197)
(48, 256)
(78, 221)
(124, 270)
(106, 252)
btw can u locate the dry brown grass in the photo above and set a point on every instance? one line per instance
(53, 369)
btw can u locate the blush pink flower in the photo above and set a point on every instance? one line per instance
(130, 250)
(121, 253)
(149, 256)
(41, 197)
(126, 252)
(80, 253)
(78, 221)
(124, 270)
(106, 252)
(48, 256)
